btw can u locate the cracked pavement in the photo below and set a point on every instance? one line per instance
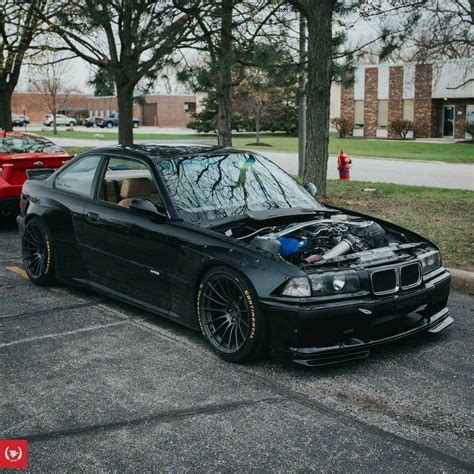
(98, 385)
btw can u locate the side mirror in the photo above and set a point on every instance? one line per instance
(146, 208)
(311, 188)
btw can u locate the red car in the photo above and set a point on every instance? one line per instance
(20, 152)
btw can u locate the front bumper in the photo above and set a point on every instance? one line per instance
(331, 332)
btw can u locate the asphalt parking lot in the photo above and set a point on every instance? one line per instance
(97, 385)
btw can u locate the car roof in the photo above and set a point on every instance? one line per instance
(4, 134)
(162, 151)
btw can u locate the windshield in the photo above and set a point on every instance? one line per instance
(27, 145)
(216, 187)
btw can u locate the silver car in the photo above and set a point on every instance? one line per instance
(60, 120)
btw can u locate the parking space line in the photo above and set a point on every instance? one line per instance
(59, 334)
(163, 417)
(289, 394)
(18, 271)
(47, 311)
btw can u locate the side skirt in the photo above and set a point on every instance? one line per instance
(132, 301)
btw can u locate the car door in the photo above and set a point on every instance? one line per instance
(72, 188)
(126, 252)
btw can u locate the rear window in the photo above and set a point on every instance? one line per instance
(11, 145)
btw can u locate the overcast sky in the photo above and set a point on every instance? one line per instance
(79, 72)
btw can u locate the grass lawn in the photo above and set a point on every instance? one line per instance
(450, 153)
(442, 215)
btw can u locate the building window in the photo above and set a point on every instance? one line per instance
(358, 113)
(382, 114)
(408, 109)
(190, 106)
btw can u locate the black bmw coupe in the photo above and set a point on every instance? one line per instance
(225, 242)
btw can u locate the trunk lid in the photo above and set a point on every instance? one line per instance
(14, 167)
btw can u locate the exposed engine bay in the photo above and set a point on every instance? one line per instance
(338, 240)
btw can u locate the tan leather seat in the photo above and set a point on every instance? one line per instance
(133, 188)
(110, 191)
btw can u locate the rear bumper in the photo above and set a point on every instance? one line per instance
(9, 191)
(326, 333)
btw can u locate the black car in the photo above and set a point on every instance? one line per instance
(94, 122)
(224, 241)
(18, 120)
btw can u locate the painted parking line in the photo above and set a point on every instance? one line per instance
(23, 274)
(18, 271)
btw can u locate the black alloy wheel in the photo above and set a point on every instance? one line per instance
(37, 252)
(229, 317)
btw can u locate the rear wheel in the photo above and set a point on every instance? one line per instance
(38, 253)
(229, 316)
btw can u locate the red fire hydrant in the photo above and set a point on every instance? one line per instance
(344, 165)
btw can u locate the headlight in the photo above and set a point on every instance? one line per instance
(334, 283)
(430, 261)
(298, 287)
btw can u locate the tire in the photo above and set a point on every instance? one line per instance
(109, 125)
(71, 124)
(229, 316)
(38, 253)
(135, 124)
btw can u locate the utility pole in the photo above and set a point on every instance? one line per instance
(302, 98)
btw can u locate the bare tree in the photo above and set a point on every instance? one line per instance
(130, 40)
(445, 31)
(19, 24)
(50, 81)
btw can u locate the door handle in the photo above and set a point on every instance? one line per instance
(92, 217)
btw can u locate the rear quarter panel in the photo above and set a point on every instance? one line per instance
(62, 213)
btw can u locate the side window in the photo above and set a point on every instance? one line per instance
(127, 179)
(79, 177)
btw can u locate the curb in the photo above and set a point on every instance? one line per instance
(462, 280)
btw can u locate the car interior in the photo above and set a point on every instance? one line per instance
(126, 181)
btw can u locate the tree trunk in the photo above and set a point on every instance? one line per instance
(302, 97)
(55, 124)
(224, 84)
(125, 111)
(318, 90)
(6, 110)
(257, 127)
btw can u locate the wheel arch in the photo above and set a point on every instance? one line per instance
(207, 267)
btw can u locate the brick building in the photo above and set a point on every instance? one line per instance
(34, 104)
(438, 98)
(157, 110)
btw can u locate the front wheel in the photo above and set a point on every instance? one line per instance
(71, 124)
(109, 125)
(38, 253)
(229, 316)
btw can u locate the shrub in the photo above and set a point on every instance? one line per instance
(401, 127)
(342, 125)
